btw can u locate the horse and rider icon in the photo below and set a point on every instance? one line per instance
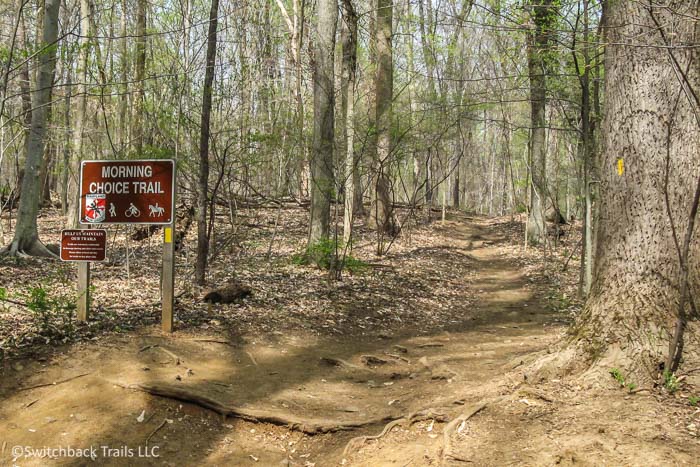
(156, 211)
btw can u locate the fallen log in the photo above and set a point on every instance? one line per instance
(229, 293)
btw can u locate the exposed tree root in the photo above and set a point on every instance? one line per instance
(430, 344)
(252, 359)
(34, 248)
(397, 357)
(447, 433)
(306, 426)
(428, 414)
(341, 363)
(156, 346)
(373, 360)
(215, 341)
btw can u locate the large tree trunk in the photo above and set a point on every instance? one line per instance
(26, 239)
(349, 41)
(298, 40)
(203, 185)
(370, 147)
(123, 75)
(322, 152)
(80, 110)
(538, 43)
(424, 21)
(381, 216)
(632, 306)
(140, 101)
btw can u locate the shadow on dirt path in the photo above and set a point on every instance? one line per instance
(296, 375)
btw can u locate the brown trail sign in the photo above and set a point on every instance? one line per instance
(83, 245)
(127, 192)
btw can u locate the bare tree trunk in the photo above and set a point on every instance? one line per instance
(77, 152)
(381, 216)
(140, 104)
(203, 185)
(65, 176)
(324, 98)
(538, 43)
(298, 76)
(349, 40)
(26, 239)
(124, 65)
(425, 21)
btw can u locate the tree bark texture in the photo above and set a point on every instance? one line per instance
(382, 215)
(26, 239)
(542, 12)
(650, 127)
(322, 185)
(203, 181)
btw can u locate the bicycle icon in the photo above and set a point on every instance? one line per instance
(132, 211)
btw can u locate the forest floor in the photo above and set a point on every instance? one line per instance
(428, 345)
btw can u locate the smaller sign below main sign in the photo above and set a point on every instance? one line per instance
(83, 245)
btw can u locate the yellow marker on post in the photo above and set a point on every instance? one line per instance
(168, 235)
(620, 166)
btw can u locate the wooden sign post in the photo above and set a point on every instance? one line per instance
(130, 192)
(167, 284)
(83, 246)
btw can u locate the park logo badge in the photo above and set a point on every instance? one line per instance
(95, 207)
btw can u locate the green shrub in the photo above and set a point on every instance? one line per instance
(670, 382)
(617, 374)
(327, 254)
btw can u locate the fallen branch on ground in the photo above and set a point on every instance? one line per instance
(306, 426)
(162, 424)
(14, 302)
(52, 384)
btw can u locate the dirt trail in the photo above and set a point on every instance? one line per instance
(317, 381)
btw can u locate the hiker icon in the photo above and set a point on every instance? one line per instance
(133, 211)
(112, 210)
